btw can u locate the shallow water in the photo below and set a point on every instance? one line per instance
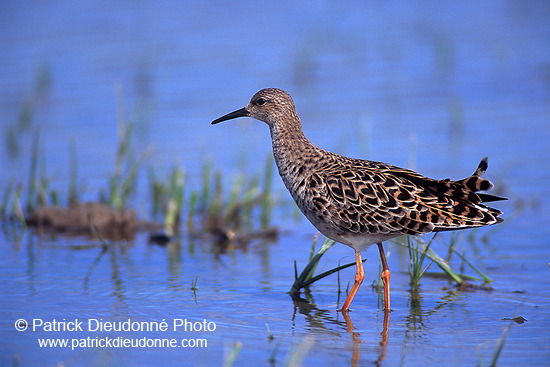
(422, 85)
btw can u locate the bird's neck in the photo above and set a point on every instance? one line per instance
(289, 141)
(292, 150)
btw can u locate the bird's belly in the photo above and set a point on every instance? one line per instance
(360, 242)
(357, 241)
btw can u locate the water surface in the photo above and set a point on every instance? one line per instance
(424, 85)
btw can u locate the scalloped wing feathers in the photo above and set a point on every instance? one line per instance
(376, 198)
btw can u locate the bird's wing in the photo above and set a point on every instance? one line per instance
(390, 199)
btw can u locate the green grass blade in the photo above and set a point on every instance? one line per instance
(307, 274)
(327, 273)
(443, 265)
(486, 279)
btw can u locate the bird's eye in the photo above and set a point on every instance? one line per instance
(260, 101)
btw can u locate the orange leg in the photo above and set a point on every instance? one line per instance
(359, 276)
(385, 275)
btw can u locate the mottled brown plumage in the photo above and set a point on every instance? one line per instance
(359, 202)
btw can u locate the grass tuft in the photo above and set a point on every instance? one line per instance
(417, 254)
(233, 215)
(167, 199)
(306, 277)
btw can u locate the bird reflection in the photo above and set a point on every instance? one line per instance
(324, 320)
(355, 336)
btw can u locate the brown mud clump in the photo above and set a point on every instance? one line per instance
(86, 219)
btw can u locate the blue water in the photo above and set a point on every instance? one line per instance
(425, 85)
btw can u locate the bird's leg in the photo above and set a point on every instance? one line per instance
(385, 275)
(359, 276)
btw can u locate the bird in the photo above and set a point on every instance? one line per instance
(359, 202)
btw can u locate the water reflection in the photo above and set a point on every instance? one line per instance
(416, 320)
(323, 320)
(92, 267)
(383, 344)
(415, 317)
